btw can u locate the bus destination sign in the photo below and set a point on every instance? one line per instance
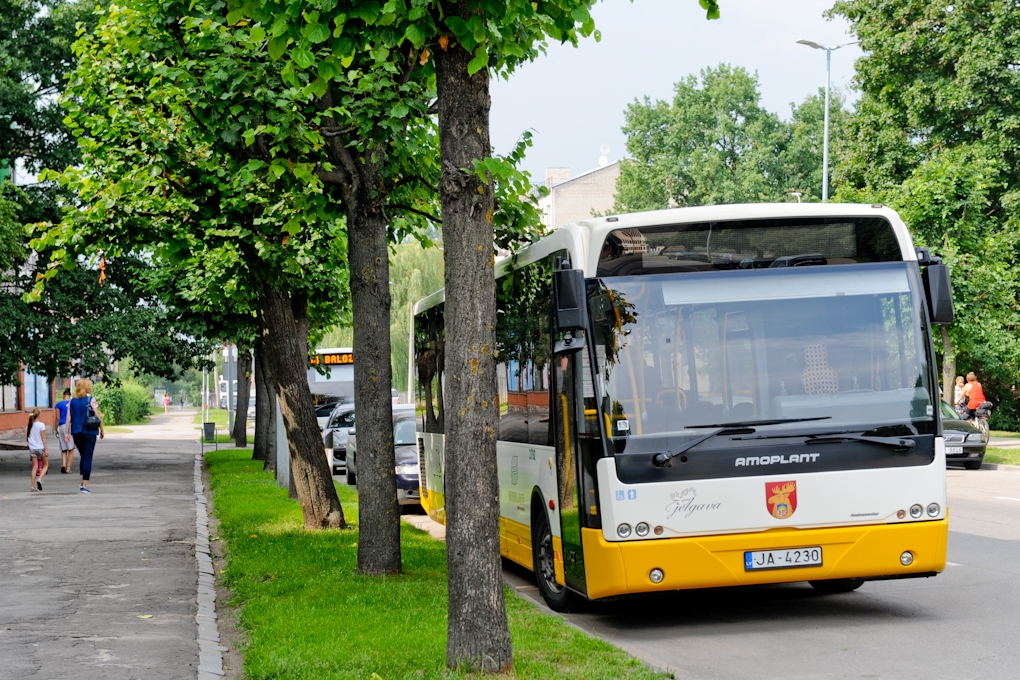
(332, 359)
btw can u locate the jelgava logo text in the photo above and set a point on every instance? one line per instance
(685, 503)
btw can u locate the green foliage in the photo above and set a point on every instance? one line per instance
(12, 251)
(291, 585)
(78, 326)
(935, 136)
(163, 102)
(715, 143)
(35, 57)
(122, 404)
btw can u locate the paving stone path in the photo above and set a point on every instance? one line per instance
(103, 585)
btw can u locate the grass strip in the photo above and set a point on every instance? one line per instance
(1004, 433)
(307, 613)
(1004, 456)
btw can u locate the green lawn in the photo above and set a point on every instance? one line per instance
(1006, 456)
(216, 415)
(308, 615)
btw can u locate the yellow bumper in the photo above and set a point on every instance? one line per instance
(619, 568)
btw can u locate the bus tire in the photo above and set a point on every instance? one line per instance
(352, 478)
(559, 598)
(837, 585)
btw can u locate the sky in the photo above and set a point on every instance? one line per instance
(573, 99)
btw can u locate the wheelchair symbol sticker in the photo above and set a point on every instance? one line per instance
(619, 495)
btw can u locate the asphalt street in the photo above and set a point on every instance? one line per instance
(963, 623)
(79, 571)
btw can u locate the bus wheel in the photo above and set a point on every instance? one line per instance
(837, 585)
(556, 596)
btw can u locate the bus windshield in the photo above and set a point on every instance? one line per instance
(840, 345)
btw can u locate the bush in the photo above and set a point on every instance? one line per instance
(122, 404)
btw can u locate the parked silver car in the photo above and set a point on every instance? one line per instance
(334, 437)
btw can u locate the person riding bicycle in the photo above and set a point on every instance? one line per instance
(974, 393)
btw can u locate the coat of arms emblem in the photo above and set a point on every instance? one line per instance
(781, 498)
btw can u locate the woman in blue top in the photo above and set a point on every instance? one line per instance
(84, 439)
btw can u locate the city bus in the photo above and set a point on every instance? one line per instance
(711, 396)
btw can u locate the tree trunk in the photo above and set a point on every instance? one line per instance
(378, 511)
(478, 636)
(361, 187)
(948, 365)
(285, 338)
(265, 409)
(240, 433)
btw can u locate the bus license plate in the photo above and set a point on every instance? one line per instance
(950, 450)
(782, 559)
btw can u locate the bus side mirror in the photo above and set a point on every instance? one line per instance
(569, 297)
(938, 292)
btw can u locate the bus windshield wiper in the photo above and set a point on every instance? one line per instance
(660, 459)
(895, 442)
(841, 436)
(752, 423)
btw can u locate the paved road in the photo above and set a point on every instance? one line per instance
(77, 570)
(964, 623)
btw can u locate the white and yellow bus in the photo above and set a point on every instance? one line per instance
(712, 396)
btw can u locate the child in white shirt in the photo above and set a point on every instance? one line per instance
(38, 452)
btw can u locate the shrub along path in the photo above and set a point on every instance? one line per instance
(308, 615)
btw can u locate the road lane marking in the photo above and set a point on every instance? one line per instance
(953, 564)
(1006, 498)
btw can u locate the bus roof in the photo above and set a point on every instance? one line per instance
(584, 239)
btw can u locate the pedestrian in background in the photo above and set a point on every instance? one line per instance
(86, 422)
(166, 403)
(38, 452)
(974, 393)
(64, 435)
(958, 401)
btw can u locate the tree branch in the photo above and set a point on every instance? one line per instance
(415, 211)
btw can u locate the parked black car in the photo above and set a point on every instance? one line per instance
(965, 445)
(405, 447)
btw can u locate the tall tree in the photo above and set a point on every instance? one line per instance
(166, 169)
(935, 136)
(715, 143)
(466, 39)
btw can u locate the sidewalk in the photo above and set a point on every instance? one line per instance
(80, 570)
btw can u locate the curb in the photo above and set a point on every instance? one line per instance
(210, 653)
(1001, 467)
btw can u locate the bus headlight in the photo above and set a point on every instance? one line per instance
(907, 558)
(933, 509)
(656, 576)
(916, 511)
(641, 529)
(623, 531)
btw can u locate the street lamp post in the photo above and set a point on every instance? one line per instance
(828, 78)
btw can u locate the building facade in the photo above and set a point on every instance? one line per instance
(578, 198)
(17, 401)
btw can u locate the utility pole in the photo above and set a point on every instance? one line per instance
(825, 137)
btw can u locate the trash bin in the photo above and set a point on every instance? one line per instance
(210, 431)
